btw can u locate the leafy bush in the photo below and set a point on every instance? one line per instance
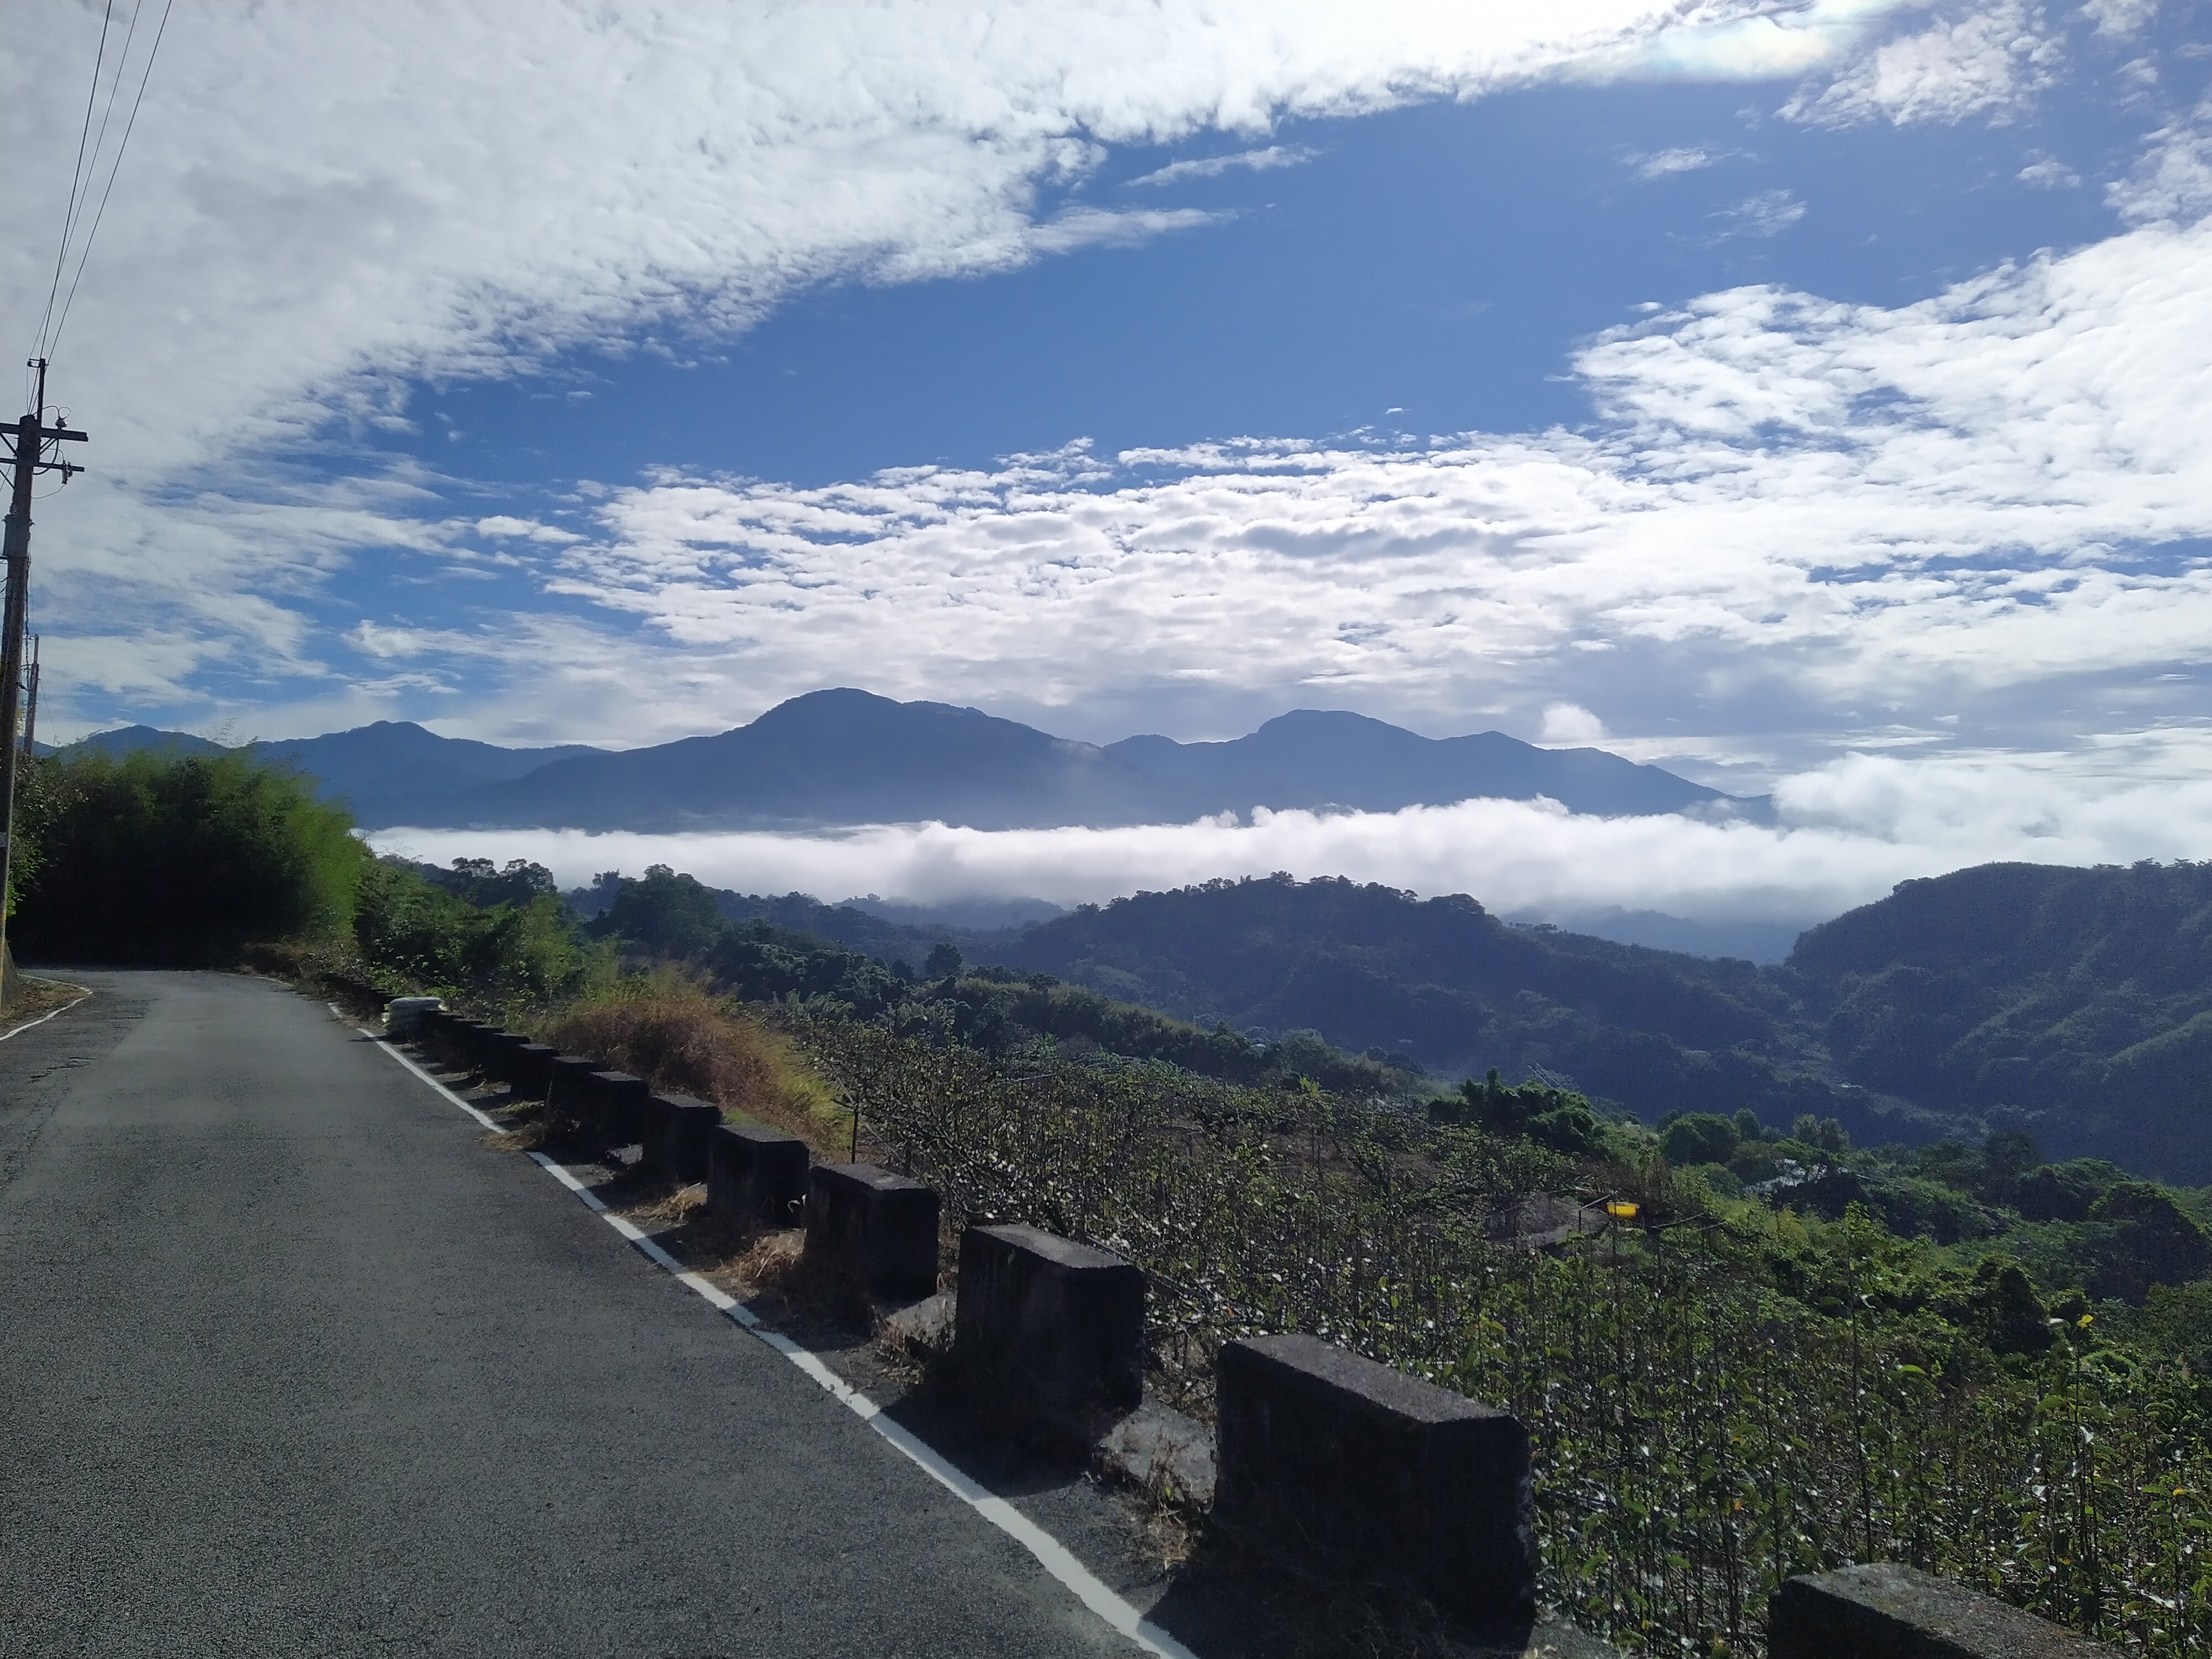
(1699, 1137)
(1541, 1112)
(419, 934)
(2144, 1239)
(2065, 1192)
(162, 859)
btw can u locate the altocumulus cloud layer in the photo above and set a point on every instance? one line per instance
(1792, 508)
(323, 203)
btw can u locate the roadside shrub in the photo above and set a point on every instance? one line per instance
(664, 1028)
(179, 860)
(424, 936)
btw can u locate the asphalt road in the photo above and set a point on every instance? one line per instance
(289, 1365)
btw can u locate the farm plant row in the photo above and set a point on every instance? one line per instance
(1721, 1395)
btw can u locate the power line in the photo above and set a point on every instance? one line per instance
(53, 341)
(77, 173)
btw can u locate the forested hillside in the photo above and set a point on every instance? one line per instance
(2075, 1004)
(1447, 984)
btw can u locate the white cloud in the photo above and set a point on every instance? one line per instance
(2173, 179)
(1661, 163)
(503, 527)
(1769, 213)
(1851, 830)
(389, 643)
(1568, 725)
(322, 203)
(1213, 166)
(1990, 62)
(1791, 507)
(2049, 173)
(2120, 18)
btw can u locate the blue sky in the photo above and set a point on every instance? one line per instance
(1809, 399)
(1426, 270)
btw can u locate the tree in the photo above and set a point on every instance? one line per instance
(2146, 1240)
(484, 884)
(1553, 1117)
(172, 859)
(417, 925)
(1699, 1137)
(944, 961)
(666, 914)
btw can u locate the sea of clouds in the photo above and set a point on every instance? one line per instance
(1847, 832)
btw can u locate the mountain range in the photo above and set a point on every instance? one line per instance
(382, 771)
(841, 758)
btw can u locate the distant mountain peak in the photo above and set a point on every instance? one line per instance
(842, 756)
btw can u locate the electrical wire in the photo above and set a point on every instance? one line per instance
(53, 342)
(77, 174)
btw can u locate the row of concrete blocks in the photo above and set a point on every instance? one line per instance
(876, 1228)
(1316, 1448)
(587, 1107)
(1318, 1451)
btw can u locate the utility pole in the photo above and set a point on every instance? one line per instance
(29, 440)
(31, 705)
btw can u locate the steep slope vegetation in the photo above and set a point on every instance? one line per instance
(2075, 1004)
(1446, 983)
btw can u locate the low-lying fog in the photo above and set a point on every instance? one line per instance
(1848, 832)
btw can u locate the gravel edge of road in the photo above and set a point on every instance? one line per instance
(83, 994)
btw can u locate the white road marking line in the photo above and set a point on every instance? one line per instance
(408, 1062)
(17, 1030)
(1050, 1553)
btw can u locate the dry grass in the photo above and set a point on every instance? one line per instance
(28, 998)
(676, 1208)
(774, 1277)
(671, 1032)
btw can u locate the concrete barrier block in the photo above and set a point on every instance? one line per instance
(437, 1035)
(472, 1043)
(1885, 1610)
(457, 1035)
(756, 1174)
(1324, 1453)
(502, 1056)
(406, 1017)
(677, 1129)
(1049, 1331)
(878, 1227)
(534, 1069)
(617, 1111)
(568, 1096)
